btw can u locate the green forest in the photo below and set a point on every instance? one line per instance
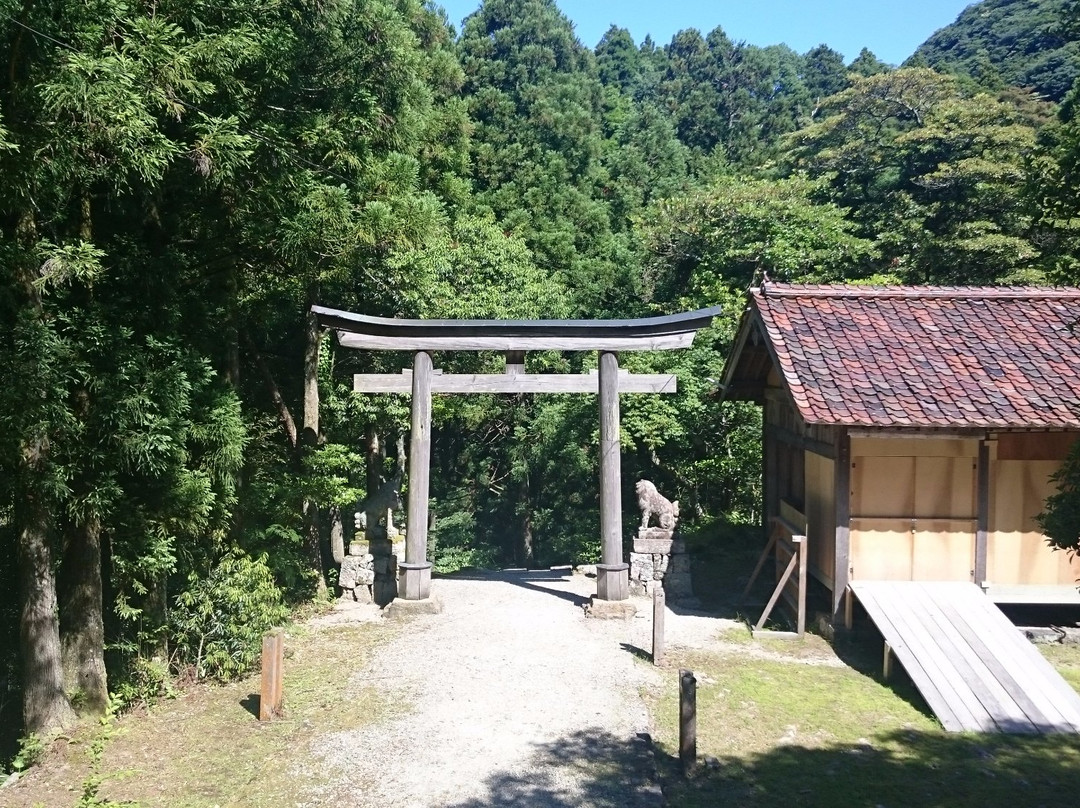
(181, 181)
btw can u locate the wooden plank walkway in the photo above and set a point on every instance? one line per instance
(971, 664)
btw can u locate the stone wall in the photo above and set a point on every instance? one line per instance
(659, 558)
(369, 572)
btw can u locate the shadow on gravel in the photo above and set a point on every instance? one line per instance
(585, 769)
(526, 579)
(640, 653)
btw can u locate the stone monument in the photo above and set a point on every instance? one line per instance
(659, 557)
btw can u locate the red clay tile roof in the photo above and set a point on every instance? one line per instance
(927, 356)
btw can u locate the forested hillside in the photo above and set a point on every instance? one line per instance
(180, 181)
(1001, 43)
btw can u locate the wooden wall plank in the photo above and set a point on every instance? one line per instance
(820, 504)
(880, 549)
(943, 550)
(1017, 552)
(882, 487)
(944, 488)
(914, 447)
(1034, 445)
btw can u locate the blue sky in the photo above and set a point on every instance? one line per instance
(892, 30)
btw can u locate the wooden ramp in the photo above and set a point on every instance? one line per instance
(971, 664)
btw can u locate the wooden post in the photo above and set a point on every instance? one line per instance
(416, 570)
(659, 602)
(273, 655)
(982, 512)
(842, 511)
(886, 662)
(800, 548)
(612, 582)
(849, 609)
(687, 721)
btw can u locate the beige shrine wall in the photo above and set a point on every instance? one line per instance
(820, 516)
(913, 513)
(1020, 469)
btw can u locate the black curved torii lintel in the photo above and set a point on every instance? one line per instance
(384, 333)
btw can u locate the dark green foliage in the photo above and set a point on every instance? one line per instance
(933, 174)
(1060, 519)
(824, 73)
(867, 64)
(218, 622)
(1022, 43)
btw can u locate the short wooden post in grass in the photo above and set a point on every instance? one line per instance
(687, 721)
(273, 655)
(658, 602)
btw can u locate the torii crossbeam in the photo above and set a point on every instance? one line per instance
(514, 338)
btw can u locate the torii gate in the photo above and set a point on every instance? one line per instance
(514, 338)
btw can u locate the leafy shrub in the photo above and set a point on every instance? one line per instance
(1060, 519)
(143, 680)
(218, 623)
(31, 749)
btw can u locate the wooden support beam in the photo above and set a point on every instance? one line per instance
(818, 447)
(416, 571)
(611, 577)
(886, 662)
(515, 363)
(800, 623)
(842, 521)
(982, 512)
(659, 602)
(761, 562)
(776, 592)
(515, 382)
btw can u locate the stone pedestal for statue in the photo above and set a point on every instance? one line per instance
(357, 575)
(659, 558)
(385, 554)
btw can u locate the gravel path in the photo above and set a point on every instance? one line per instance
(512, 698)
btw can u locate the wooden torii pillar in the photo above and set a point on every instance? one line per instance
(514, 338)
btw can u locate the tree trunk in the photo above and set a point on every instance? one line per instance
(309, 439)
(525, 556)
(82, 625)
(45, 707)
(232, 329)
(287, 422)
(337, 534)
(376, 453)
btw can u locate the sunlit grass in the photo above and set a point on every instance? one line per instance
(786, 732)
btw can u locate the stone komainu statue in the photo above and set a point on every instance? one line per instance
(650, 501)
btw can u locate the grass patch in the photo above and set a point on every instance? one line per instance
(206, 747)
(1066, 658)
(794, 728)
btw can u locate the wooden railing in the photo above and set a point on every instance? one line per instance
(787, 542)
